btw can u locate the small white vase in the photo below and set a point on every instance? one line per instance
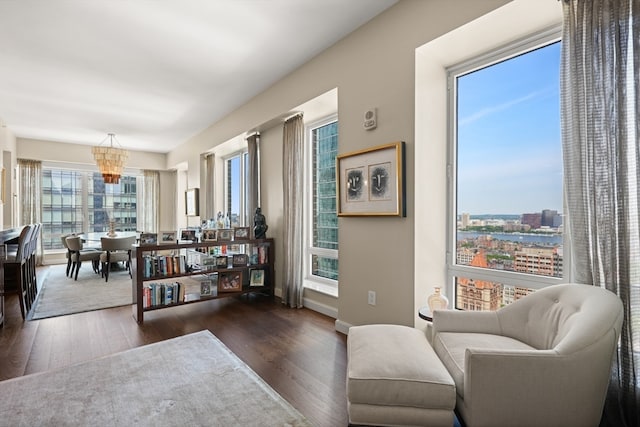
(437, 301)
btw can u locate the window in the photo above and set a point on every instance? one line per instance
(506, 192)
(236, 177)
(321, 216)
(79, 201)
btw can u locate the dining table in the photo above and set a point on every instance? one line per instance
(93, 239)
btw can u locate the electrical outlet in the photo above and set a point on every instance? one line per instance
(372, 298)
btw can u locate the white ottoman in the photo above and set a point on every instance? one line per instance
(394, 378)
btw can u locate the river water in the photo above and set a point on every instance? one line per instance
(530, 238)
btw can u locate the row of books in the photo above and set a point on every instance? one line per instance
(259, 254)
(154, 294)
(163, 265)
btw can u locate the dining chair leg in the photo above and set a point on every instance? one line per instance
(78, 264)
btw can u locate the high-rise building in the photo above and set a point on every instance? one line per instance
(534, 220)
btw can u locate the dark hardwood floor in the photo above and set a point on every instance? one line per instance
(297, 351)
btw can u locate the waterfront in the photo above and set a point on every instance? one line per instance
(526, 238)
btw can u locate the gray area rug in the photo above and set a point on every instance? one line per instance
(60, 295)
(192, 380)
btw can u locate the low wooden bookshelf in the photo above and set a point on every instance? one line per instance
(168, 275)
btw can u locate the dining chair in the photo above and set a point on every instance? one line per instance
(15, 271)
(79, 254)
(116, 249)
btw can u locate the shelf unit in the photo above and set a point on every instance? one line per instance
(196, 262)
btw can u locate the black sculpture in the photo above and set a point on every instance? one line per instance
(259, 225)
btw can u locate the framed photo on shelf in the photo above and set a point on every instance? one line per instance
(167, 237)
(225, 234)
(209, 235)
(240, 260)
(222, 261)
(192, 201)
(241, 233)
(148, 239)
(205, 287)
(188, 234)
(256, 277)
(371, 182)
(230, 281)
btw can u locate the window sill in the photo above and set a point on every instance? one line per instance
(323, 288)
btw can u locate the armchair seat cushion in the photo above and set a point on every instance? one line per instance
(451, 348)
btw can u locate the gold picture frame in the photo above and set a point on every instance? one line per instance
(371, 182)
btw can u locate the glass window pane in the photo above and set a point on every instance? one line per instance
(324, 228)
(234, 190)
(509, 165)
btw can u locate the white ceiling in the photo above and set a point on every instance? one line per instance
(157, 72)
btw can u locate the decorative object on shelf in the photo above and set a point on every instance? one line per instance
(222, 261)
(371, 182)
(240, 233)
(225, 234)
(209, 235)
(112, 229)
(437, 301)
(110, 159)
(260, 226)
(188, 235)
(147, 239)
(256, 277)
(240, 260)
(230, 281)
(168, 237)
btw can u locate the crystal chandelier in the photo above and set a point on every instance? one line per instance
(110, 159)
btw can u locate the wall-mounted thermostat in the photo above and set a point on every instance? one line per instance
(370, 119)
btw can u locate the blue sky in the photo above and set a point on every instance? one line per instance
(509, 149)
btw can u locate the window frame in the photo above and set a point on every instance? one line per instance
(509, 278)
(243, 154)
(85, 176)
(320, 284)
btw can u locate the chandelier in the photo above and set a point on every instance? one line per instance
(110, 159)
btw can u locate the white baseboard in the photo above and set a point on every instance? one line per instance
(320, 308)
(342, 327)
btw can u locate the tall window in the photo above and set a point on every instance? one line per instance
(79, 201)
(506, 208)
(322, 257)
(236, 175)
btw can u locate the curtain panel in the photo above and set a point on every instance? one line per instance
(253, 174)
(293, 182)
(210, 181)
(148, 219)
(600, 128)
(29, 193)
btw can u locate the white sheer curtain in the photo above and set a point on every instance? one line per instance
(253, 184)
(293, 179)
(600, 106)
(210, 181)
(148, 220)
(29, 193)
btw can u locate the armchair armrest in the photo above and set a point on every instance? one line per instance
(483, 322)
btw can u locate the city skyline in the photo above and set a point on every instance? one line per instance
(509, 143)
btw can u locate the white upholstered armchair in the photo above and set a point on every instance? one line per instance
(543, 360)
